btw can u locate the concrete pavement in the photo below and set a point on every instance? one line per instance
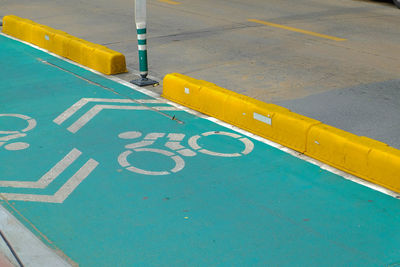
(4, 261)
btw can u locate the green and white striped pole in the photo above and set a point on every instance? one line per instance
(140, 20)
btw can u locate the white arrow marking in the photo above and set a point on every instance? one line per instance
(49, 177)
(63, 192)
(78, 105)
(82, 121)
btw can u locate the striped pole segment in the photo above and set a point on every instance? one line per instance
(140, 20)
(142, 48)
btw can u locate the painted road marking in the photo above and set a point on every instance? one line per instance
(10, 135)
(249, 146)
(89, 115)
(81, 103)
(31, 123)
(50, 176)
(63, 192)
(150, 138)
(170, 2)
(266, 193)
(179, 162)
(82, 121)
(297, 30)
(174, 144)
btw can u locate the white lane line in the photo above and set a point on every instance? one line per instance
(82, 102)
(50, 176)
(82, 121)
(63, 192)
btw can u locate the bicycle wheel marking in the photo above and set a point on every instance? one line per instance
(123, 161)
(249, 146)
(236, 136)
(193, 142)
(174, 143)
(31, 123)
(10, 135)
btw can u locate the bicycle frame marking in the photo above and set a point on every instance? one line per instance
(174, 143)
(10, 135)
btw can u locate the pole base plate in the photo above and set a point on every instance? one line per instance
(144, 82)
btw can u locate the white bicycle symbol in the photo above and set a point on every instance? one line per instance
(13, 134)
(174, 144)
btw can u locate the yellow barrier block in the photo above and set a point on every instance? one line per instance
(181, 90)
(60, 43)
(357, 150)
(80, 51)
(327, 143)
(18, 27)
(384, 166)
(291, 129)
(339, 148)
(92, 55)
(42, 36)
(267, 120)
(102, 54)
(366, 158)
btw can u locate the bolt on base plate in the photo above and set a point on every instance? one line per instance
(144, 82)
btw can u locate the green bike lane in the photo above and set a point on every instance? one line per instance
(113, 177)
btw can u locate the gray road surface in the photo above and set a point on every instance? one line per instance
(352, 84)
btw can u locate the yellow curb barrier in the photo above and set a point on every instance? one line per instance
(92, 55)
(267, 120)
(361, 156)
